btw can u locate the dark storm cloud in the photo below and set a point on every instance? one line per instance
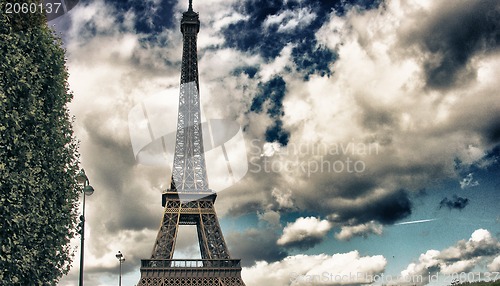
(112, 164)
(353, 187)
(244, 245)
(375, 117)
(389, 208)
(386, 208)
(458, 31)
(492, 129)
(340, 196)
(237, 209)
(456, 202)
(344, 196)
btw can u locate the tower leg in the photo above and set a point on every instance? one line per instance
(165, 240)
(212, 241)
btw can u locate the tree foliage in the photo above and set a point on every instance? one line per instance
(38, 153)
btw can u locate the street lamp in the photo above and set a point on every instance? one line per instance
(82, 179)
(120, 258)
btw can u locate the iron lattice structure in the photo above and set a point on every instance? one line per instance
(189, 201)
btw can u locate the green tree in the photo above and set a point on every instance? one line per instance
(38, 153)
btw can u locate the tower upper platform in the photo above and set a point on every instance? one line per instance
(190, 22)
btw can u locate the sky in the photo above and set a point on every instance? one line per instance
(364, 135)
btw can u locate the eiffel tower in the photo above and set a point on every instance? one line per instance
(189, 201)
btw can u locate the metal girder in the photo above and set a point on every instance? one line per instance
(189, 171)
(165, 240)
(200, 213)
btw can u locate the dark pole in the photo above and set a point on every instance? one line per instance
(120, 280)
(82, 179)
(82, 238)
(120, 258)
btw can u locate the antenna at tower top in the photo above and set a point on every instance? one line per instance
(190, 5)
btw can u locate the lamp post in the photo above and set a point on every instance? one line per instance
(82, 179)
(120, 258)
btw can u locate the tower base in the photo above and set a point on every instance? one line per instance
(190, 272)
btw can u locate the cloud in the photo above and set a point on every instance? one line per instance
(270, 217)
(461, 257)
(495, 264)
(456, 202)
(305, 232)
(289, 20)
(384, 206)
(468, 182)
(283, 198)
(377, 97)
(337, 269)
(269, 72)
(348, 232)
(258, 243)
(481, 243)
(450, 39)
(255, 244)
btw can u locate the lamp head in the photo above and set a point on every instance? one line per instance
(88, 190)
(119, 255)
(81, 178)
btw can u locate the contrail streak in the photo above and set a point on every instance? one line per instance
(415, 221)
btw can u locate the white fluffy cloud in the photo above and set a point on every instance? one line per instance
(268, 70)
(348, 232)
(289, 20)
(461, 257)
(304, 232)
(337, 269)
(495, 264)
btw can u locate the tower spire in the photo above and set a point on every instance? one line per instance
(190, 5)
